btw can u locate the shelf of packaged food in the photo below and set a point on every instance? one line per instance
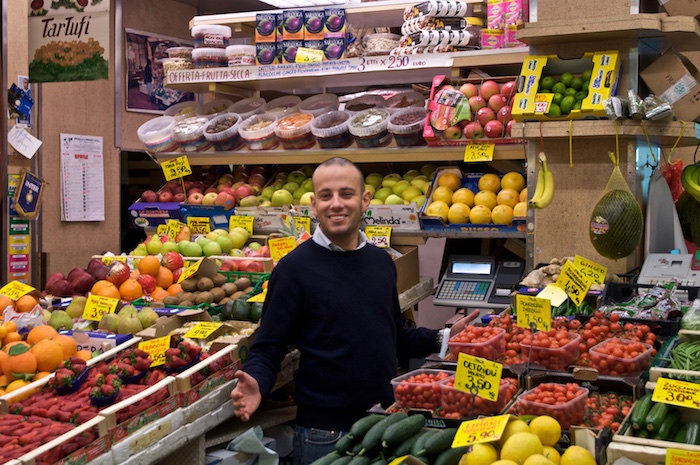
(317, 155)
(662, 133)
(362, 71)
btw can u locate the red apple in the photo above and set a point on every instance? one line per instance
(195, 199)
(476, 102)
(258, 170)
(489, 88)
(179, 197)
(484, 115)
(453, 132)
(177, 189)
(509, 126)
(189, 185)
(504, 115)
(226, 178)
(497, 101)
(509, 90)
(147, 282)
(172, 183)
(165, 196)
(172, 261)
(240, 176)
(254, 266)
(469, 90)
(211, 190)
(463, 123)
(227, 189)
(194, 190)
(264, 251)
(242, 191)
(149, 196)
(210, 198)
(494, 129)
(229, 265)
(473, 130)
(164, 238)
(256, 178)
(226, 200)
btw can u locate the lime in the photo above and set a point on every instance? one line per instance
(566, 79)
(580, 95)
(586, 75)
(570, 91)
(585, 85)
(567, 104)
(546, 83)
(559, 87)
(554, 111)
(577, 83)
(557, 98)
(577, 105)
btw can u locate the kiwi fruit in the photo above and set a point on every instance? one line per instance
(218, 293)
(218, 279)
(204, 297)
(224, 300)
(171, 300)
(189, 285)
(187, 296)
(157, 304)
(242, 283)
(229, 288)
(248, 289)
(236, 295)
(186, 303)
(205, 284)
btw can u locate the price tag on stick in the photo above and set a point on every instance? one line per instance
(203, 329)
(573, 282)
(176, 168)
(682, 457)
(590, 269)
(478, 376)
(532, 309)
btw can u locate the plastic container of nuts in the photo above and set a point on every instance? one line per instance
(404, 100)
(222, 132)
(182, 110)
(189, 134)
(248, 107)
(370, 128)
(282, 106)
(211, 35)
(332, 129)
(209, 57)
(157, 134)
(173, 64)
(258, 132)
(214, 108)
(319, 104)
(294, 131)
(180, 52)
(240, 55)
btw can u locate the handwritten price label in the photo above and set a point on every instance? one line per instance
(162, 229)
(479, 376)
(190, 271)
(199, 225)
(176, 168)
(533, 309)
(302, 221)
(245, 222)
(379, 235)
(174, 227)
(308, 55)
(480, 430)
(281, 246)
(573, 282)
(156, 349)
(108, 260)
(97, 305)
(682, 457)
(674, 392)
(203, 329)
(590, 269)
(15, 289)
(478, 152)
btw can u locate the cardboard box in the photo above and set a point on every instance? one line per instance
(399, 217)
(674, 78)
(97, 341)
(407, 269)
(165, 324)
(224, 456)
(680, 7)
(556, 10)
(528, 104)
(218, 217)
(151, 214)
(266, 219)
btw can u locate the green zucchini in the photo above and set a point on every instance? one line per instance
(372, 440)
(417, 446)
(356, 449)
(405, 447)
(639, 414)
(439, 442)
(327, 459)
(361, 426)
(378, 461)
(643, 433)
(692, 435)
(680, 435)
(666, 430)
(398, 432)
(360, 460)
(450, 456)
(656, 416)
(344, 444)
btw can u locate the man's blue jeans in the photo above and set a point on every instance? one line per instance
(312, 443)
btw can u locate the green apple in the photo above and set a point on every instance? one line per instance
(181, 246)
(281, 176)
(266, 203)
(202, 241)
(243, 231)
(296, 176)
(393, 199)
(225, 243)
(308, 184)
(249, 201)
(168, 246)
(428, 170)
(374, 179)
(153, 246)
(411, 193)
(376, 202)
(424, 188)
(306, 198)
(410, 174)
(298, 193)
(419, 180)
(255, 245)
(192, 250)
(370, 188)
(212, 235)
(399, 187)
(282, 197)
(212, 248)
(420, 200)
(382, 193)
(267, 192)
(308, 170)
(390, 179)
(220, 232)
(290, 186)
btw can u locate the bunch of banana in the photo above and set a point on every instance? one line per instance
(690, 179)
(544, 190)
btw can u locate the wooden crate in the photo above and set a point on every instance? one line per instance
(143, 418)
(656, 372)
(83, 455)
(183, 381)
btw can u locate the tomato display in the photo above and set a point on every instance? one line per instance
(618, 357)
(554, 349)
(480, 341)
(607, 409)
(566, 403)
(419, 388)
(460, 404)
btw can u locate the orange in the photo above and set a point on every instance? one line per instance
(174, 289)
(159, 294)
(84, 354)
(26, 303)
(18, 363)
(264, 284)
(513, 180)
(149, 265)
(3, 356)
(48, 354)
(130, 290)
(68, 343)
(7, 346)
(12, 336)
(4, 381)
(105, 288)
(443, 193)
(135, 274)
(5, 302)
(39, 333)
(11, 326)
(15, 385)
(490, 182)
(3, 331)
(450, 180)
(164, 278)
(40, 375)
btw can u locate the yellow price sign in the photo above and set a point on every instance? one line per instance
(308, 55)
(203, 329)
(97, 305)
(485, 429)
(174, 227)
(258, 297)
(531, 309)
(176, 168)
(573, 282)
(15, 289)
(281, 246)
(543, 102)
(245, 222)
(590, 269)
(304, 221)
(190, 271)
(379, 235)
(162, 229)
(199, 224)
(108, 260)
(675, 392)
(478, 376)
(156, 349)
(682, 457)
(478, 152)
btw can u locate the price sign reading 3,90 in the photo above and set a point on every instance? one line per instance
(176, 168)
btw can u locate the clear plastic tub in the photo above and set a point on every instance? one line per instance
(407, 126)
(608, 363)
(174, 64)
(463, 403)
(209, 58)
(282, 106)
(294, 131)
(381, 43)
(568, 413)
(214, 108)
(211, 35)
(157, 134)
(240, 55)
(364, 102)
(404, 100)
(189, 134)
(370, 128)
(491, 349)
(423, 381)
(180, 52)
(319, 104)
(248, 107)
(332, 130)
(258, 132)
(553, 359)
(222, 132)
(182, 110)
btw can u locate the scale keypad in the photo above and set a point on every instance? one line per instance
(463, 290)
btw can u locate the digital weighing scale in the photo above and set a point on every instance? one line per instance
(660, 268)
(475, 281)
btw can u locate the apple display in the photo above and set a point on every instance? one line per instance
(210, 198)
(469, 90)
(489, 88)
(476, 102)
(149, 196)
(165, 196)
(226, 200)
(453, 132)
(195, 198)
(504, 115)
(497, 101)
(484, 115)
(494, 129)
(473, 130)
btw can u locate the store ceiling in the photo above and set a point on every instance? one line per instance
(226, 6)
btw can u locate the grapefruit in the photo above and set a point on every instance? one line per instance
(508, 197)
(438, 208)
(458, 213)
(443, 193)
(490, 182)
(486, 198)
(502, 214)
(520, 210)
(450, 180)
(480, 214)
(513, 180)
(463, 195)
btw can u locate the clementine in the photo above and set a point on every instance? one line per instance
(12, 336)
(26, 303)
(20, 360)
(11, 326)
(149, 265)
(84, 354)
(105, 288)
(159, 294)
(4, 381)
(40, 375)
(68, 343)
(6, 302)
(48, 354)
(39, 333)
(174, 289)
(3, 356)
(164, 278)
(130, 290)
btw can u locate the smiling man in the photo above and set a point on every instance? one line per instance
(334, 298)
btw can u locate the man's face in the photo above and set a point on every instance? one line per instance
(338, 202)
(26, 84)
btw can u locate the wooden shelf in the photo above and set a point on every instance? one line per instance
(660, 133)
(391, 154)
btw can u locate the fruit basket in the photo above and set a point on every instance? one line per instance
(419, 388)
(620, 357)
(566, 403)
(554, 351)
(461, 404)
(480, 341)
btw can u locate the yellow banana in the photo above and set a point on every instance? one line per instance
(548, 193)
(539, 187)
(689, 180)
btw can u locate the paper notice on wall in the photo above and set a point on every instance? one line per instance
(23, 142)
(82, 178)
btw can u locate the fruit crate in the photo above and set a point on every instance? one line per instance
(569, 413)
(256, 278)
(659, 367)
(609, 364)
(214, 370)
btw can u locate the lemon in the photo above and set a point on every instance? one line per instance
(577, 455)
(551, 453)
(513, 426)
(520, 446)
(537, 459)
(480, 454)
(547, 429)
